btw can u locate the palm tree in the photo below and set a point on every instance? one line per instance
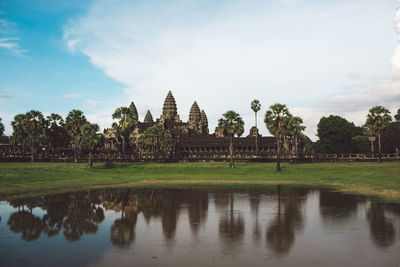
(256, 106)
(156, 140)
(74, 122)
(55, 132)
(370, 130)
(127, 121)
(231, 125)
(377, 119)
(397, 116)
(274, 120)
(90, 139)
(1, 128)
(295, 128)
(33, 127)
(18, 136)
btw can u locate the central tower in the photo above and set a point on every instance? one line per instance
(169, 112)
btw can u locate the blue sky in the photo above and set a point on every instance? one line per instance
(318, 57)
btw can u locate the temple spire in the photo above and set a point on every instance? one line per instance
(169, 107)
(148, 117)
(204, 122)
(134, 110)
(194, 114)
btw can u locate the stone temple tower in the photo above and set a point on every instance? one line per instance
(169, 109)
(204, 122)
(148, 118)
(134, 110)
(195, 118)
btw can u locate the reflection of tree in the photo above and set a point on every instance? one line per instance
(82, 218)
(123, 230)
(382, 230)
(281, 232)
(255, 206)
(26, 223)
(335, 206)
(231, 225)
(77, 214)
(57, 208)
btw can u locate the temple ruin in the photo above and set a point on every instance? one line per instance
(192, 140)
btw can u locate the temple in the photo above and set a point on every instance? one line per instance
(192, 140)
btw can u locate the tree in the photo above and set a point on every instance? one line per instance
(230, 125)
(55, 132)
(256, 106)
(397, 116)
(29, 128)
(274, 121)
(127, 121)
(155, 139)
(90, 139)
(391, 138)
(377, 119)
(309, 146)
(35, 127)
(360, 143)
(3, 138)
(18, 136)
(73, 123)
(293, 126)
(1, 128)
(335, 134)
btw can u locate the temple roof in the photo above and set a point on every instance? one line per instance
(169, 107)
(148, 117)
(134, 110)
(194, 114)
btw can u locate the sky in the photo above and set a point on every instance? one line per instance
(318, 57)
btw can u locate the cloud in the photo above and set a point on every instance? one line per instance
(90, 103)
(11, 44)
(73, 95)
(7, 27)
(225, 54)
(354, 106)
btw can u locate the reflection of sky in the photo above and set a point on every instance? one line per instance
(317, 239)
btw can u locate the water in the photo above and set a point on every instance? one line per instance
(277, 227)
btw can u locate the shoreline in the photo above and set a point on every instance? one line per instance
(381, 180)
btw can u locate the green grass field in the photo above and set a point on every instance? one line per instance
(375, 179)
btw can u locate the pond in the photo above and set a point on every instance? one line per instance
(276, 227)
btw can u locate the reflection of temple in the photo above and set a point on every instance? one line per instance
(192, 139)
(74, 215)
(77, 214)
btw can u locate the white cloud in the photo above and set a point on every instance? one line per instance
(226, 55)
(10, 42)
(7, 27)
(12, 45)
(91, 103)
(73, 95)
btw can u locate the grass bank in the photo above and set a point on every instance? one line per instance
(375, 179)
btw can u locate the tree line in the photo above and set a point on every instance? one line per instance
(335, 134)
(380, 133)
(33, 130)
